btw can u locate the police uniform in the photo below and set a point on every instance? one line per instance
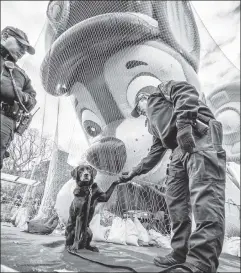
(195, 180)
(10, 111)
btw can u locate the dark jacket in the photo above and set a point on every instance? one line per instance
(26, 91)
(174, 105)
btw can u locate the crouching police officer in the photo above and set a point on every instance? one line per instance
(178, 120)
(17, 93)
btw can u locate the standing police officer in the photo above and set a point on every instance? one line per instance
(178, 120)
(14, 44)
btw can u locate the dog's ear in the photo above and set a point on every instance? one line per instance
(94, 172)
(74, 173)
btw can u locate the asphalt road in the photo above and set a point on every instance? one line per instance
(46, 253)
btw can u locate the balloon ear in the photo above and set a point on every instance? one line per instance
(178, 28)
(74, 173)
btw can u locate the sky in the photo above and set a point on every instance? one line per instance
(220, 18)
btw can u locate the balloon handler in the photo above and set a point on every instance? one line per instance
(87, 195)
(195, 181)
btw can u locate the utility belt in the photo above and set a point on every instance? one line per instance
(14, 112)
(11, 111)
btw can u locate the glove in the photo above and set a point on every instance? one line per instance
(24, 96)
(118, 182)
(125, 177)
(28, 101)
(185, 139)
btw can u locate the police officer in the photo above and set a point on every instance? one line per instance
(195, 182)
(14, 44)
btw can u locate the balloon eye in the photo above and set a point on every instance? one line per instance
(91, 123)
(91, 128)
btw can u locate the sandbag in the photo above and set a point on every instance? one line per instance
(131, 233)
(106, 218)
(232, 246)
(43, 226)
(117, 232)
(159, 240)
(99, 232)
(21, 217)
(143, 236)
(24, 227)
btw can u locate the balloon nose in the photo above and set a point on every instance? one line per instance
(109, 155)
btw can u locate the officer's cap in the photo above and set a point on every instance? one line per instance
(20, 36)
(144, 92)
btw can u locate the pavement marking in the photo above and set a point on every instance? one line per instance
(5, 268)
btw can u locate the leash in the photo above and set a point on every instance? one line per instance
(10, 66)
(87, 217)
(166, 270)
(103, 264)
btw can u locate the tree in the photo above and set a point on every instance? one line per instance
(29, 157)
(25, 151)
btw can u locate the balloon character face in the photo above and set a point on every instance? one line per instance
(102, 53)
(138, 44)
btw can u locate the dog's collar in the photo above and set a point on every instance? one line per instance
(84, 187)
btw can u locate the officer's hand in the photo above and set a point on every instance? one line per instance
(122, 181)
(185, 139)
(25, 97)
(127, 176)
(118, 182)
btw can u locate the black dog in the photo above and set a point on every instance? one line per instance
(84, 176)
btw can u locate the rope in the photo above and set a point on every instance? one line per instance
(166, 270)
(100, 263)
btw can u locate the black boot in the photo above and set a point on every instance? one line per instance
(168, 260)
(184, 268)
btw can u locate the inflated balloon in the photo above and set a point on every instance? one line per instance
(101, 54)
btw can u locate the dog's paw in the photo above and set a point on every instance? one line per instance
(93, 248)
(74, 247)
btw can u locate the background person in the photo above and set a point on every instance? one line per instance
(14, 44)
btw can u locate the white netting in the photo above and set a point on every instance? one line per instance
(95, 57)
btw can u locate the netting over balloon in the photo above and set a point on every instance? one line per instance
(95, 58)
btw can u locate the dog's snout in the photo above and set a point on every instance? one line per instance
(109, 155)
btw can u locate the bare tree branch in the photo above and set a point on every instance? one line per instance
(25, 150)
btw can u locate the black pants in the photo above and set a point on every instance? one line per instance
(8, 126)
(196, 183)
